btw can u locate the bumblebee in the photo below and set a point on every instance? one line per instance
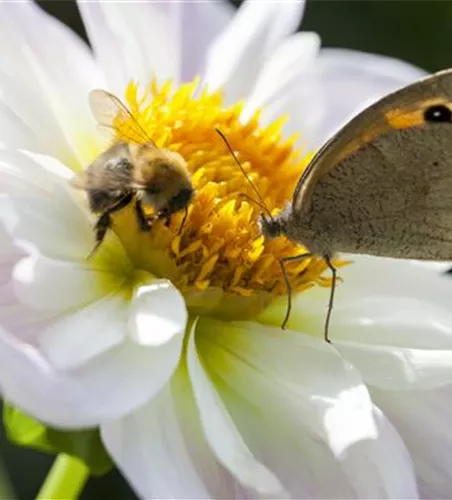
(132, 171)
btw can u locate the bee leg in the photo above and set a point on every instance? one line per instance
(165, 215)
(144, 223)
(183, 221)
(104, 221)
(102, 226)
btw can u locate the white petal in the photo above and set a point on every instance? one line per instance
(389, 473)
(150, 449)
(30, 174)
(17, 132)
(9, 250)
(28, 122)
(161, 449)
(46, 213)
(134, 41)
(281, 77)
(322, 375)
(299, 459)
(398, 368)
(50, 284)
(439, 267)
(38, 48)
(396, 278)
(348, 81)
(303, 462)
(391, 319)
(379, 301)
(394, 321)
(157, 313)
(373, 321)
(57, 225)
(236, 56)
(423, 420)
(300, 383)
(84, 334)
(199, 23)
(107, 387)
(223, 436)
(25, 323)
(396, 341)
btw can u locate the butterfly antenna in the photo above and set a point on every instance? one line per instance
(261, 202)
(250, 198)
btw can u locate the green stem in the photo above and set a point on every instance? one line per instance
(65, 480)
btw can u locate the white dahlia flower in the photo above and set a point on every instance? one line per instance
(171, 343)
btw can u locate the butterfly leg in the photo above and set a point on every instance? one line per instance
(282, 263)
(103, 224)
(331, 301)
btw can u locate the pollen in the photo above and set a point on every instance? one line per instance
(218, 258)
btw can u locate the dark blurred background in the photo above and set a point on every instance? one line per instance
(418, 31)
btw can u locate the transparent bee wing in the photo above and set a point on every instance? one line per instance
(107, 137)
(111, 113)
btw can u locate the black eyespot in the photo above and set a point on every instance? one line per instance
(181, 200)
(438, 113)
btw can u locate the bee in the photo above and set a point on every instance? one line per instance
(132, 171)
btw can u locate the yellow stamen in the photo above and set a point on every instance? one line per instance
(220, 261)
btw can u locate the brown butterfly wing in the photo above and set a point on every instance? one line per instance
(393, 197)
(400, 110)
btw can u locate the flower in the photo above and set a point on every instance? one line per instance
(193, 397)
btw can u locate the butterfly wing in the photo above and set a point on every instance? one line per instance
(400, 110)
(383, 185)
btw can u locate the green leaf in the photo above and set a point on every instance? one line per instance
(86, 445)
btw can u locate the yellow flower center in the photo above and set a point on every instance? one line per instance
(219, 261)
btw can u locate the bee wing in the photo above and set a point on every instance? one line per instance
(110, 112)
